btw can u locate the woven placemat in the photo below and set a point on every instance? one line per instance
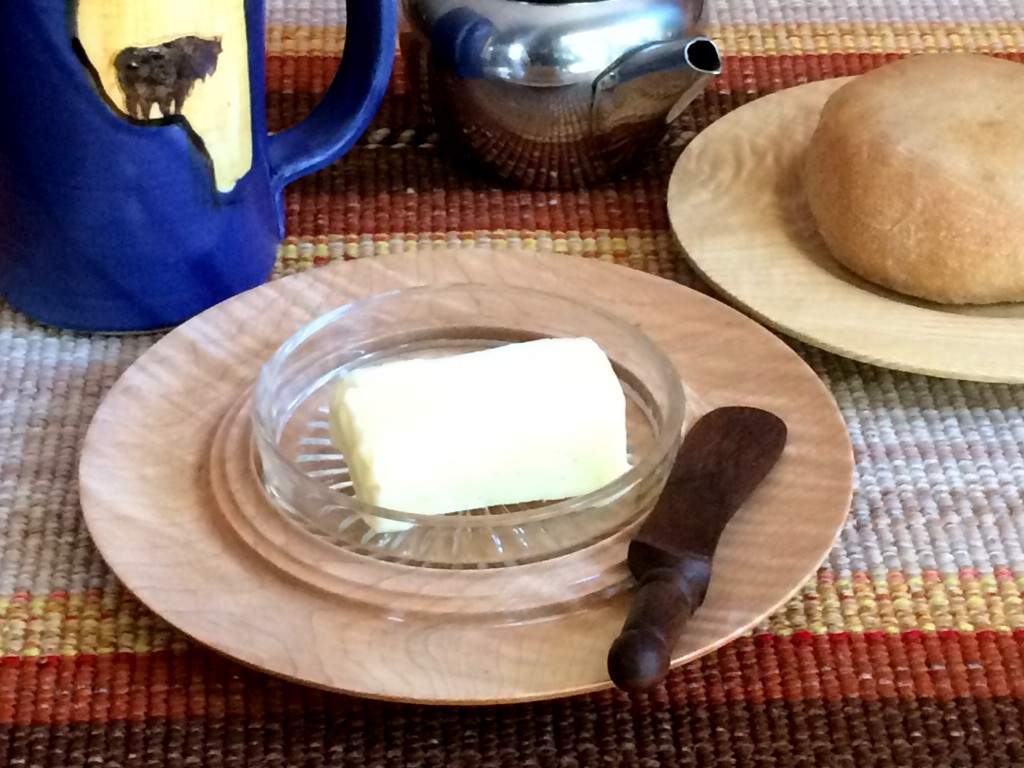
(906, 649)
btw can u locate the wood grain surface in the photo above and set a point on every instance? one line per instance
(148, 479)
(736, 205)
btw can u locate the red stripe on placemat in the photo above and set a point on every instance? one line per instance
(874, 666)
(312, 73)
(312, 210)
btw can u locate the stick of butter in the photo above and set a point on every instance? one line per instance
(529, 421)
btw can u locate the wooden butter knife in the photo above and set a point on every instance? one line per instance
(724, 456)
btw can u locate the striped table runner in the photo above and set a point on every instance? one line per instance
(907, 648)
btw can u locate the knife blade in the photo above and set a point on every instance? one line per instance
(724, 456)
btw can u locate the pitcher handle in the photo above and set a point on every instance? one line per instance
(350, 101)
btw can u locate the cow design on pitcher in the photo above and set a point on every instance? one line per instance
(164, 74)
(173, 67)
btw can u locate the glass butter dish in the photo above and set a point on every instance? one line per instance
(308, 478)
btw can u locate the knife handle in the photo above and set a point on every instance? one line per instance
(663, 603)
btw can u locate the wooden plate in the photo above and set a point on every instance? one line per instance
(737, 207)
(148, 492)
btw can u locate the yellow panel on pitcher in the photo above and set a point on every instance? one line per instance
(155, 60)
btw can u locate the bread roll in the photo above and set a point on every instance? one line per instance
(915, 177)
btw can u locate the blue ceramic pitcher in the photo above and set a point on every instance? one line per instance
(138, 184)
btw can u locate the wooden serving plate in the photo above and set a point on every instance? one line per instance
(164, 494)
(737, 206)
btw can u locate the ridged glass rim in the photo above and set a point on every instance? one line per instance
(669, 435)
